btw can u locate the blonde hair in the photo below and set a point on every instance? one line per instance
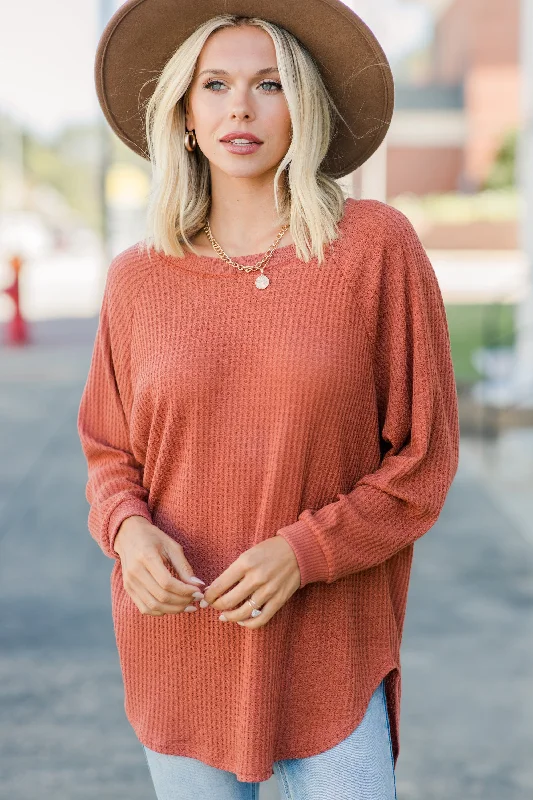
(179, 202)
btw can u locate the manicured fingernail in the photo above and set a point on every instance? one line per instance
(223, 618)
(194, 579)
(240, 623)
(197, 595)
(203, 603)
(191, 608)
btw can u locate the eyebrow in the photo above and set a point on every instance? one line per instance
(264, 71)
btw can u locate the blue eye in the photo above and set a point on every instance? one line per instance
(274, 83)
(208, 84)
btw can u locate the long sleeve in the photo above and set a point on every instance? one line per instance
(417, 409)
(114, 487)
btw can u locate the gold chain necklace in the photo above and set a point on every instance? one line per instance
(262, 280)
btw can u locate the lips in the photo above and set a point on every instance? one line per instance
(241, 135)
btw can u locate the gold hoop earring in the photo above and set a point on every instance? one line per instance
(190, 141)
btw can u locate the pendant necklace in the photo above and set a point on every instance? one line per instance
(262, 280)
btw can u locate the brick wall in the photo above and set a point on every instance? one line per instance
(477, 41)
(423, 169)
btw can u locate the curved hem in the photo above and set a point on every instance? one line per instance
(336, 739)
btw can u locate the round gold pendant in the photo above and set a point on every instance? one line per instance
(262, 281)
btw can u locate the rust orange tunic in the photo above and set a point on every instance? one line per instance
(323, 409)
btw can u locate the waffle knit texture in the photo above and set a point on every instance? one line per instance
(322, 409)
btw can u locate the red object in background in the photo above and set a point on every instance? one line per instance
(16, 327)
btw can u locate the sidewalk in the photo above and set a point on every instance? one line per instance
(467, 653)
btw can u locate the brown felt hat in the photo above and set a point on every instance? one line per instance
(142, 35)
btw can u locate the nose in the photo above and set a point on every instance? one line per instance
(242, 106)
(240, 112)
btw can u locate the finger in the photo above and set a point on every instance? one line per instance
(244, 610)
(267, 612)
(148, 604)
(234, 599)
(143, 578)
(154, 564)
(232, 575)
(176, 556)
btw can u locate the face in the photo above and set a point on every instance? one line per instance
(236, 89)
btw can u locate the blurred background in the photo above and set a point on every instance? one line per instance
(458, 160)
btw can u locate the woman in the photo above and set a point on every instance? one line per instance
(280, 438)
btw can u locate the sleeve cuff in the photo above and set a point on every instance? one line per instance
(310, 556)
(130, 507)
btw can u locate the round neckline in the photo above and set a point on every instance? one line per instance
(215, 267)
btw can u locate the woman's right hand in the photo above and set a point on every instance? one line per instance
(143, 549)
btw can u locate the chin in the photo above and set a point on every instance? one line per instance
(244, 170)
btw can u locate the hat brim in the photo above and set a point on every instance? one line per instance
(142, 36)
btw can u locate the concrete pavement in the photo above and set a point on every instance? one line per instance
(467, 701)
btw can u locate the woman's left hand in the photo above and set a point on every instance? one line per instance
(268, 572)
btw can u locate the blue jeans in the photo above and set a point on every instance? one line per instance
(360, 767)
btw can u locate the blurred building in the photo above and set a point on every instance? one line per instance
(448, 127)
